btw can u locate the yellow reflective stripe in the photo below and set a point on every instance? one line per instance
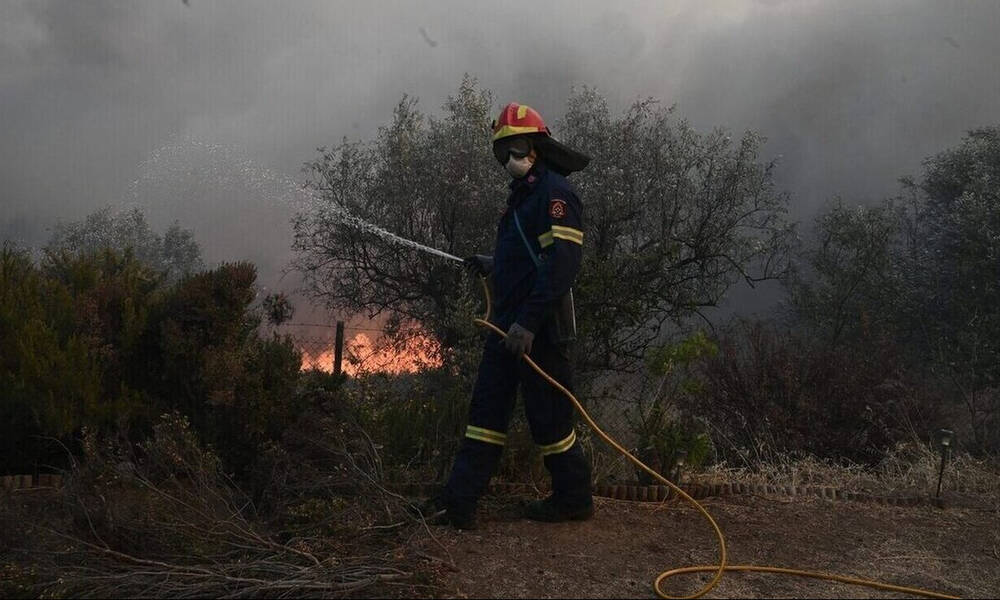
(560, 446)
(521, 111)
(486, 435)
(545, 240)
(567, 233)
(512, 130)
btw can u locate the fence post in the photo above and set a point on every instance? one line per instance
(338, 349)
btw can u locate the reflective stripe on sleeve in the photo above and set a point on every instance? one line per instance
(568, 234)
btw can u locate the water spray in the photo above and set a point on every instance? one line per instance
(227, 164)
(360, 224)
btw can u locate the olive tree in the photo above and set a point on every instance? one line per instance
(674, 218)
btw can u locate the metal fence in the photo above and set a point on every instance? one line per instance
(323, 346)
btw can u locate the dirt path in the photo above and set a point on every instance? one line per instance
(620, 552)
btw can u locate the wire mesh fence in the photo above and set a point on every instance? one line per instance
(318, 350)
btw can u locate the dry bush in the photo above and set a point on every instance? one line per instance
(165, 520)
(770, 393)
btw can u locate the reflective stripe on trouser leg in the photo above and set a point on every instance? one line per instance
(561, 446)
(486, 435)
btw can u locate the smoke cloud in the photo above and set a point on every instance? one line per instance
(851, 95)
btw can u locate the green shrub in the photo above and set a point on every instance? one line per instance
(237, 388)
(665, 431)
(417, 419)
(62, 328)
(98, 339)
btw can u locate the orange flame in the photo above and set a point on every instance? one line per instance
(322, 361)
(362, 355)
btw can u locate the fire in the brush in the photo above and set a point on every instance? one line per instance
(362, 354)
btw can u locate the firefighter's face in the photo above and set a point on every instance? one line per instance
(515, 154)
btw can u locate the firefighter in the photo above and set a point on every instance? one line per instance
(534, 263)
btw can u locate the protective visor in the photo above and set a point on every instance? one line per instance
(516, 146)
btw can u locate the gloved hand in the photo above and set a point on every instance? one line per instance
(479, 264)
(519, 340)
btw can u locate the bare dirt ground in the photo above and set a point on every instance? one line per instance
(618, 554)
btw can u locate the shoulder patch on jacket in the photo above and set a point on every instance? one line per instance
(557, 208)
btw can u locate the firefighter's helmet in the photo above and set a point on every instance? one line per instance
(518, 119)
(523, 121)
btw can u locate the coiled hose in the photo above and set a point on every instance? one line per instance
(722, 566)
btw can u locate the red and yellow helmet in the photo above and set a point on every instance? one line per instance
(518, 119)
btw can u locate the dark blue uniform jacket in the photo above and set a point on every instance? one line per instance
(551, 217)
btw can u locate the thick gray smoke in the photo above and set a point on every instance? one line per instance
(851, 95)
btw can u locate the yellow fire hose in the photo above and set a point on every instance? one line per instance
(720, 568)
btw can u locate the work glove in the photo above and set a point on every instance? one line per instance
(479, 264)
(519, 340)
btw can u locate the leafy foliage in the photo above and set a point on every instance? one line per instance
(175, 253)
(847, 284)
(277, 308)
(418, 419)
(66, 330)
(665, 431)
(427, 180)
(920, 272)
(100, 340)
(674, 217)
(954, 260)
(207, 361)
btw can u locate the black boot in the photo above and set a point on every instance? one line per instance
(551, 510)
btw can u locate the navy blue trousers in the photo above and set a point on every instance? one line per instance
(550, 416)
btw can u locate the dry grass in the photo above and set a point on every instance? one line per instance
(908, 469)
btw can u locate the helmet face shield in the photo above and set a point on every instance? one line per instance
(516, 146)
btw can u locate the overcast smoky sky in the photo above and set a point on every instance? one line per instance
(851, 95)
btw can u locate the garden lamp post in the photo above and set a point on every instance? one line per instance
(944, 437)
(679, 464)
